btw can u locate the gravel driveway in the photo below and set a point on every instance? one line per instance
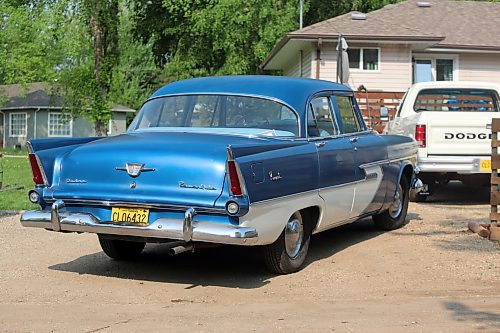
(430, 276)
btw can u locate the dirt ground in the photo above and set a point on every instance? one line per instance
(430, 276)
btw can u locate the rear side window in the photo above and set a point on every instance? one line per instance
(321, 121)
(350, 123)
(472, 100)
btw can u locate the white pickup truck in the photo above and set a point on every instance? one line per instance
(451, 121)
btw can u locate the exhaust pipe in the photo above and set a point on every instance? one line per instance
(181, 249)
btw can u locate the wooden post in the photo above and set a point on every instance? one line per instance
(495, 180)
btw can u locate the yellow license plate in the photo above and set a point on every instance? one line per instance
(486, 165)
(131, 215)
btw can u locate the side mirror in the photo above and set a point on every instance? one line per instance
(384, 113)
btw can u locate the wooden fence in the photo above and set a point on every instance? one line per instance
(370, 103)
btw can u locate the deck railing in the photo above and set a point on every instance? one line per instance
(370, 103)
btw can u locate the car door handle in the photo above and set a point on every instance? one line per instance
(353, 140)
(320, 144)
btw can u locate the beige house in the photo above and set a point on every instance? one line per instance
(400, 44)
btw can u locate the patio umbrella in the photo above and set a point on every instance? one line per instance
(342, 61)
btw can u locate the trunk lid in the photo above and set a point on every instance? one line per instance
(177, 168)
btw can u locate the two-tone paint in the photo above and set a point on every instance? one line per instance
(338, 178)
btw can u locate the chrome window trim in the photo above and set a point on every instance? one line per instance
(269, 98)
(339, 136)
(335, 122)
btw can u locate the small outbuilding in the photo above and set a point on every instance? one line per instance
(28, 111)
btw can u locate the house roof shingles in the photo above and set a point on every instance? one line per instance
(456, 23)
(34, 95)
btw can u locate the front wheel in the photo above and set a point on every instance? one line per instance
(120, 249)
(288, 253)
(394, 217)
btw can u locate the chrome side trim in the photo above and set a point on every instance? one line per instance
(382, 162)
(311, 191)
(284, 197)
(168, 228)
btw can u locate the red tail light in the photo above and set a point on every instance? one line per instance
(37, 172)
(234, 180)
(420, 135)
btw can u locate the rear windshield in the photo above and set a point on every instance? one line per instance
(476, 100)
(226, 113)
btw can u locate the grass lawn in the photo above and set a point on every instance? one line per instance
(16, 173)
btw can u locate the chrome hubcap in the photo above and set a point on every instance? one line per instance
(397, 204)
(294, 234)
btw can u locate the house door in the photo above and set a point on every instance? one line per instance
(422, 70)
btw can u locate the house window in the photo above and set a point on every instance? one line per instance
(444, 70)
(60, 124)
(365, 58)
(18, 124)
(428, 68)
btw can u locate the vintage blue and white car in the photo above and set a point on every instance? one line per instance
(245, 160)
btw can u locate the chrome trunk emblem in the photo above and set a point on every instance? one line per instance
(134, 169)
(197, 187)
(75, 181)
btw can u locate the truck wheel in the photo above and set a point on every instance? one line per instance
(394, 217)
(288, 252)
(120, 249)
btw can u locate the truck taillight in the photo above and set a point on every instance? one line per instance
(420, 134)
(37, 171)
(234, 180)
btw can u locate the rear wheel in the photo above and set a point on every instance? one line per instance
(120, 249)
(288, 253)
(394, 217)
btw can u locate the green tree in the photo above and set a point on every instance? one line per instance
(29, 50)
(105, 65)
(136, 74)
(213, 37)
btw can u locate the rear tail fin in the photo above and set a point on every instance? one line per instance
(39, 177)
(236, 184)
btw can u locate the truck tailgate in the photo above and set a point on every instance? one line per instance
(458, 133)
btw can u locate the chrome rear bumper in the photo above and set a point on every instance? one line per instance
(187, 229)
(458, 164)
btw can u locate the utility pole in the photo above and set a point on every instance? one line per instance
(301, 21)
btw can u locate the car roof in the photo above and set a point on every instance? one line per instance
(292, 91)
